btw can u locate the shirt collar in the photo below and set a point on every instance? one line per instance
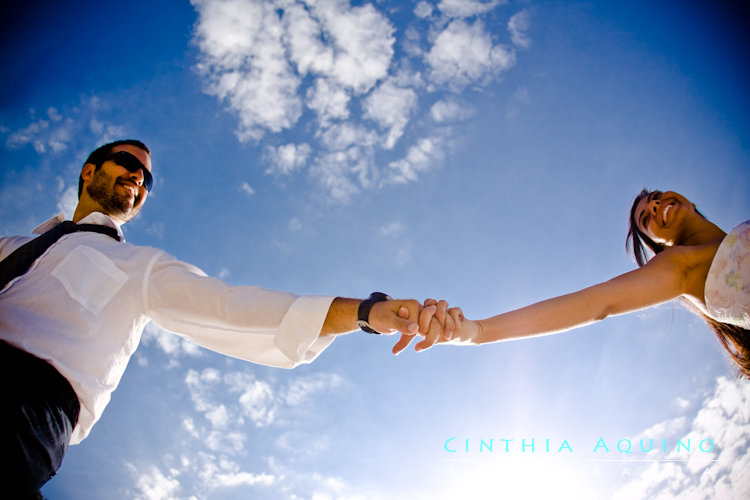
(92, 218)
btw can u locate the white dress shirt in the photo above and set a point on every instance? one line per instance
(84, 303)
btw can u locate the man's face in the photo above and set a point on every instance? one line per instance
(118, 192)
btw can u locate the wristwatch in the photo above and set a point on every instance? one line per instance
(363, 313)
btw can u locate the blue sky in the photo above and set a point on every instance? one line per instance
(485, 152)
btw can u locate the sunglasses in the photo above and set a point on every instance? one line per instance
(132, 164)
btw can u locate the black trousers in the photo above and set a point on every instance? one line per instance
(38, 411)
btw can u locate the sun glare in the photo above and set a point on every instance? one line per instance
(520, 479)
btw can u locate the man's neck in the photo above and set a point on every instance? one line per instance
(84, 209)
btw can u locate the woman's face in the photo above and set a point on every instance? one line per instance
(661, 216)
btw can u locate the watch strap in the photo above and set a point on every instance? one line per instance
(363, 312)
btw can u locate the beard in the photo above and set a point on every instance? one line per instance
(102, 190)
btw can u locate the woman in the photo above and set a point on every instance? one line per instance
(693, 259)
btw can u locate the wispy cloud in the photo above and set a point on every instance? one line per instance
(286, 159)
(154, 485)
(419, 158)
(450, 110)
(328, 73)
(724, 472)
(518, 27)
(52, 133)
(195, 476)
(228, 407)
(256, 400)
(467, 8)
(63, 138)
(247, 189)
(391, 107)
(171, 344)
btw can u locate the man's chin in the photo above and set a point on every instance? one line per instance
(129, 214)
(126, 210)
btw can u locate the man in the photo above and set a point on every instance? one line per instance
(73, 316)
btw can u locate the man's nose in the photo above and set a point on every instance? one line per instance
(137, 176)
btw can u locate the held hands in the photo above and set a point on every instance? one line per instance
(407, 316)
(434, 321)
(438, 324)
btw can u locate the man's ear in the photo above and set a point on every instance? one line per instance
(87, 172)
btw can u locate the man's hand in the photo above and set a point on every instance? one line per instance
(390, 316)
(451, 325)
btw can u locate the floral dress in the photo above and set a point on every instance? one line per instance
(727, 289)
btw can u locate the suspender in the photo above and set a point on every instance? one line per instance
(19, 262)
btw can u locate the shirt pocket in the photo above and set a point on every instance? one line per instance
(90, 278)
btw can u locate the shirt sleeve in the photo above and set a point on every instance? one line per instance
(255, 324)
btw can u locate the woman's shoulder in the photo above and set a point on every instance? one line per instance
(690, 256)
(690, 263)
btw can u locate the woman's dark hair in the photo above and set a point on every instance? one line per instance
(735, 340)
(98, 156)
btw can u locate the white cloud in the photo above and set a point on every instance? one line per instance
(105, 131)
(189, 425)
(329, 101)
(518, 27)
(171, 344)
(301, 389)
(202, 387)
(257, 399)
(225, 442)
(464, 54)
(218, 416)
(210, 473)
(253, 56)
(391, 107)
(220, 474)
(450, 110)
(258, 402)
(682, 403)
(420, 158)
(247, 188)
(234, 479)
(68, 201)
(51, 134)
(399, 254)
(467, 8)
(391, 229)
(215, 462)
(287, 159)
(303, 35)
(724, 418)
(342, 136)
(363, 42)
(244, 61)
(334, 172)
(154, 485)
(310, 66)
(423, 9)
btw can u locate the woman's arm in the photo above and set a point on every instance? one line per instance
(663, 278)
(649, 285)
